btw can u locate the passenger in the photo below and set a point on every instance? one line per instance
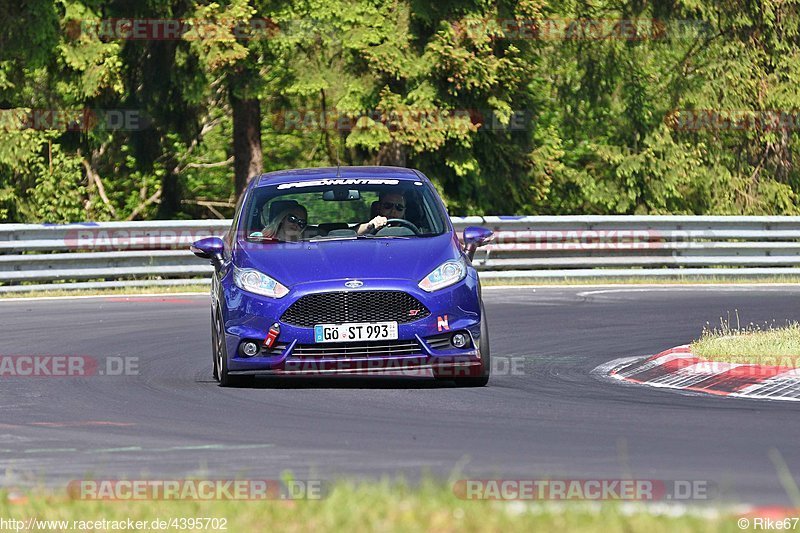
(390, 205)
(288, 225)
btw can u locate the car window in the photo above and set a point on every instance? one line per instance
(334, 212)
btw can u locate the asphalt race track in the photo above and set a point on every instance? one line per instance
(549, 418)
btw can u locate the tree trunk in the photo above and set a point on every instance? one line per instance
(391, 154)
(247, 157)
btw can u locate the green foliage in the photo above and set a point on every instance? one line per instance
(503, 121)
(59, 190)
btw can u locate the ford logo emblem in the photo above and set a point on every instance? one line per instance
(353, 284)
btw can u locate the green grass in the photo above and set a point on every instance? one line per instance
(110, 292)
(385, 506)
(756, 344)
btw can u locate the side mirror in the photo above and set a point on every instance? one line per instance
(475, 236)
(209, 248)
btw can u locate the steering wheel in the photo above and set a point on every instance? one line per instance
(404, 223)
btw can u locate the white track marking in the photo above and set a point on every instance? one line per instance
(691, 288)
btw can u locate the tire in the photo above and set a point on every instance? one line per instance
(221, 358)
(486, 361)
(215, 371)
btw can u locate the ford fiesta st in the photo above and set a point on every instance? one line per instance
(346, 270)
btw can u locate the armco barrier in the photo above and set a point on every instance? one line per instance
(90, 255)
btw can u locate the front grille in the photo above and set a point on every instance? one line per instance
(354, 306)
(357, 349)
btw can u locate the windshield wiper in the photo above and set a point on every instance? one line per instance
(332, 238)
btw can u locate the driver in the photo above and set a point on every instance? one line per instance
(390, 205)
(288, 225)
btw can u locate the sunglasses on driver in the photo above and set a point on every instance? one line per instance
(301, 222)
(391, 205)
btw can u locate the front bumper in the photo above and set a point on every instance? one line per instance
(390, 367)
(248, 317)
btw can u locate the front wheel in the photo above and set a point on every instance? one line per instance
(484, 370)
(221, 356)
(215, 344)
(486, 359)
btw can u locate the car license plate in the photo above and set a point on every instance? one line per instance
(356, 331)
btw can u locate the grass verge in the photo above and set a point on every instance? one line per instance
(752, 344)
(371, 506)
(56, 292)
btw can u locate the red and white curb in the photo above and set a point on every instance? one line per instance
(679, 368)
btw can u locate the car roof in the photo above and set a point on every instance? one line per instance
(307, 174)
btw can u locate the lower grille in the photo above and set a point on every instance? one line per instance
(277, 349)
(357, 349)
(440, 342)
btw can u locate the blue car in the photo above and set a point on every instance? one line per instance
(351, 270)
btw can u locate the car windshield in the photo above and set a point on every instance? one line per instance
(329, 210)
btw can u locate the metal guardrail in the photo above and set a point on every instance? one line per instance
(91, 255)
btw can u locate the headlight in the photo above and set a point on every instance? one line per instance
(252, 280)
(446, 274)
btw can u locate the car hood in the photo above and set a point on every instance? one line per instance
(396, 258)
